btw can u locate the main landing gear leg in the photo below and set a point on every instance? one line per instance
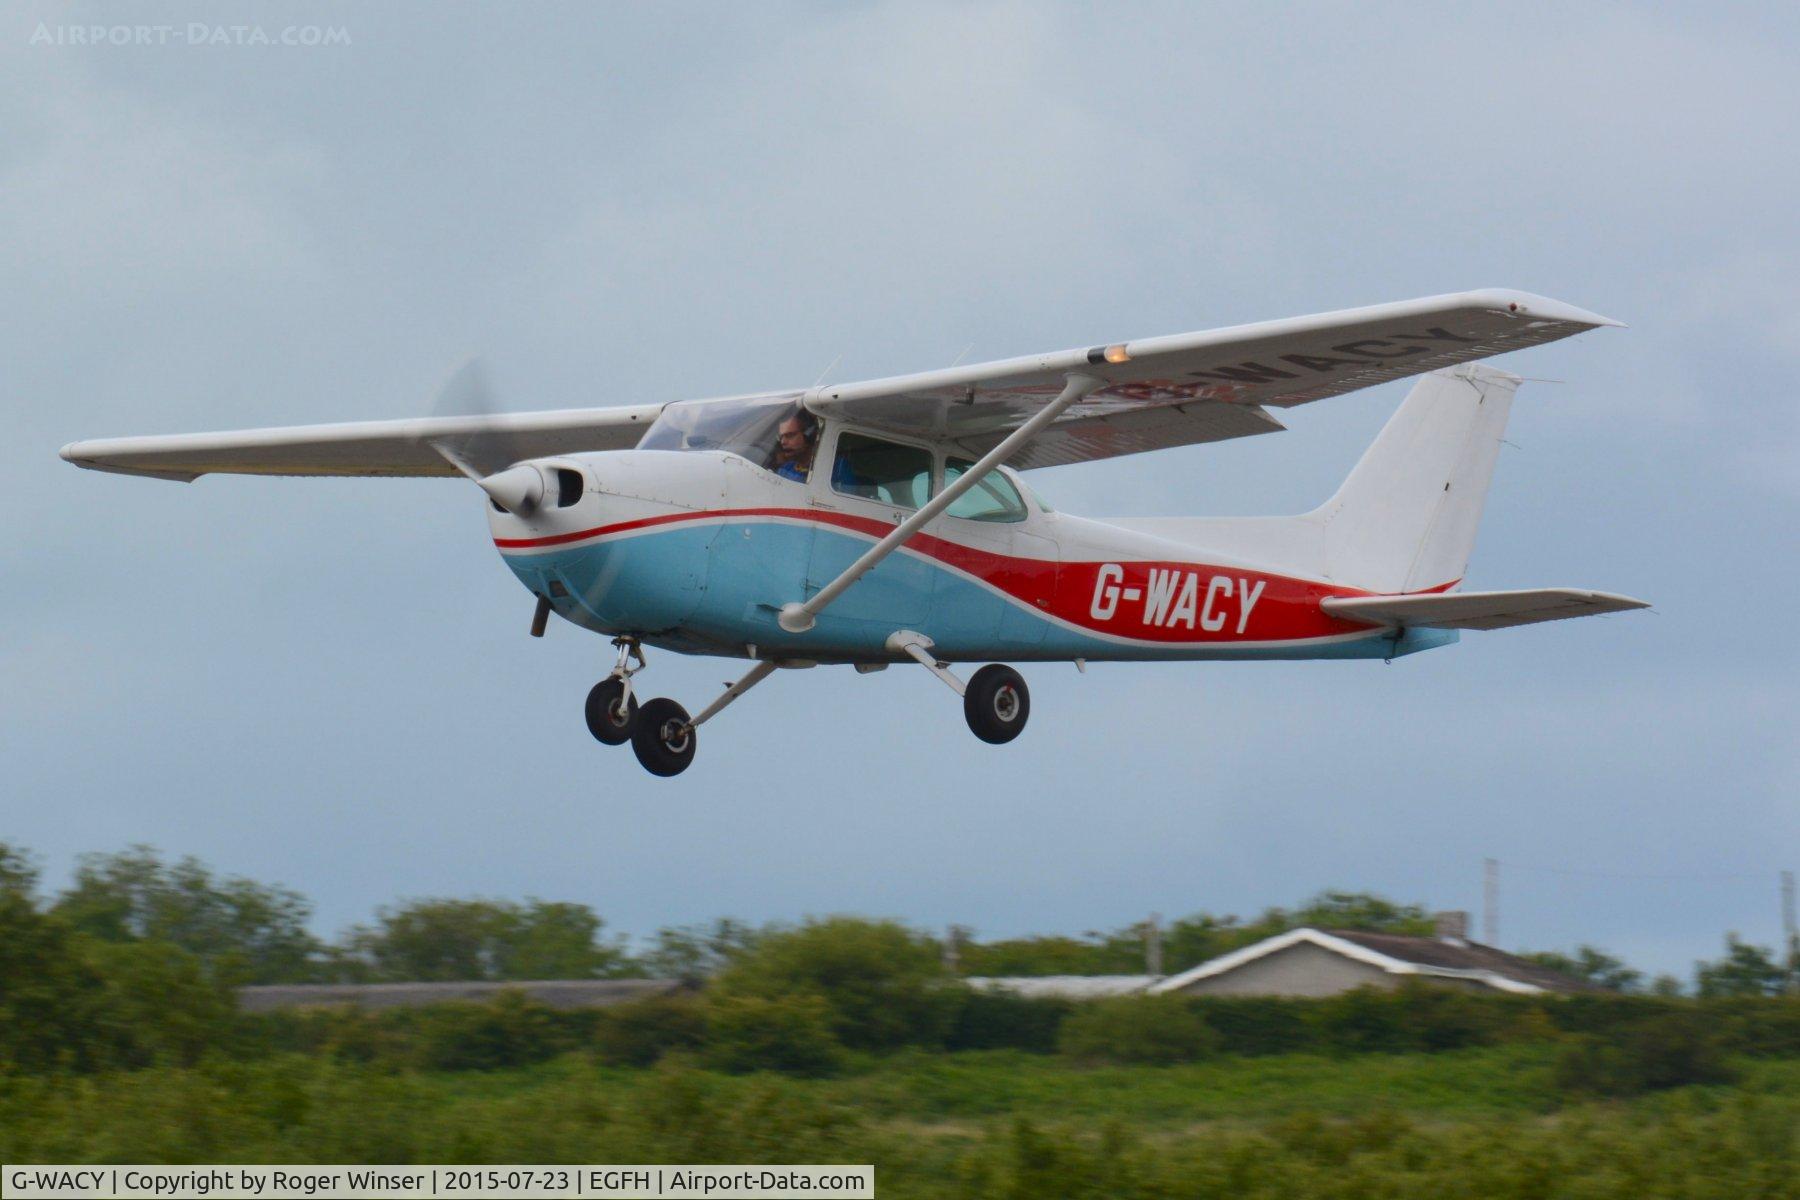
(996, 702)
(611, 707)
(664, 739)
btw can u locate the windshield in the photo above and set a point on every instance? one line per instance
(746, 428)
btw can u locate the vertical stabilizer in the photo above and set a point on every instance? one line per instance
(1405, 519)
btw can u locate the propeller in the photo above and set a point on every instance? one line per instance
(489, 455)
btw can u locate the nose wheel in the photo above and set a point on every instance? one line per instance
(611, 711)
(611, 708)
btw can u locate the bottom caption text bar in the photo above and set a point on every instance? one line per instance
(655, 1182)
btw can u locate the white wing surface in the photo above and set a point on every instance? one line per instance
(1479, 610)
(1202, 387)
(1160, 392)
(362, 447)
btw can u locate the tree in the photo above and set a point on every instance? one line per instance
(1046, 955)
(696, 952)
(239, 929)
(881, 982)
(45, 985)
(1357, 910)
(439, 940)
(1594, 965)
(1745, 970)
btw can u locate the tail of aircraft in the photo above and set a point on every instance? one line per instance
(1405, 518)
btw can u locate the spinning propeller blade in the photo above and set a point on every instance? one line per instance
(486, 453)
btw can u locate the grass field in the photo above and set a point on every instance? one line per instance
(1470, 1123)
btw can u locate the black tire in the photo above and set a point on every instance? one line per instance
(997, 704)
(661, 739)
(605, 720)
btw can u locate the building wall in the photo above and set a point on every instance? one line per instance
(1302, 969)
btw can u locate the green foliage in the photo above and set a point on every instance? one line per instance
(440, 940)
(1670, 1050)
(1594, 965)
(697, 952)
(642, 1032)
(1745, 970)
(881, 983)
(997, 1020)
(242, 931)
(791, 1034)
(973, 1126)
(1356, 910)
(156, 1004)
(47, 986)
(508, 1031)
(1050, 955)
(1148, 1030)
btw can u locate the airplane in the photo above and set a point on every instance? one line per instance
(883, 522)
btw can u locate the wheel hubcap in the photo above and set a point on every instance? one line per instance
(1006, 704)
(674, 736)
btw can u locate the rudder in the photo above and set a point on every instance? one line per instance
(1405, 519)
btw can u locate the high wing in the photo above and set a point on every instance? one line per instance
(1479, 610)
(364, 447)
(1158, 392)
(1201, 387)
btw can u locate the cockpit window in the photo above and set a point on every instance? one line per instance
(746, 428)
(883, 471)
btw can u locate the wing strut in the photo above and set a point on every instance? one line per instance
(798, 618)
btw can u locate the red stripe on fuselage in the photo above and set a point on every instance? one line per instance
(1157, 601)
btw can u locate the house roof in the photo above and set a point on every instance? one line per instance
(1469, 956)
(1066, 987)
(1400, 954)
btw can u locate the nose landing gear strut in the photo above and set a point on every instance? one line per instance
(611, 708)
(661, 733)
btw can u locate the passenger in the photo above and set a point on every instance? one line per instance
(796, 440)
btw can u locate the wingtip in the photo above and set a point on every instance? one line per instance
(1529, 304)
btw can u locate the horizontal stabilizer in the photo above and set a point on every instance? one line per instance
(1479, 610)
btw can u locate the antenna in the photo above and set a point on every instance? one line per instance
(1490, 901)
(1153, 962)
(1790, 930)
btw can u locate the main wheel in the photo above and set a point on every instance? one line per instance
(661, 738)
(996, 703)
(611, 714)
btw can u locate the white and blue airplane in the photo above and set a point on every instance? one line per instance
(887, 522)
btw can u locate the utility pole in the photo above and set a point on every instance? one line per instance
(953, 937)
(1790, 930)
(1490, 901)
(1153, 964)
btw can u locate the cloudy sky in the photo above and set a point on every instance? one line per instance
(329, 683)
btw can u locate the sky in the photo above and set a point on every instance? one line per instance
(328, 684)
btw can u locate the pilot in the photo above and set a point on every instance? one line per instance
(796, 440)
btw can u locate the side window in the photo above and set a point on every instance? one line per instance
(885, 472)
(993, 499)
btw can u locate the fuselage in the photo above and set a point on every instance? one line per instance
(696, 551)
